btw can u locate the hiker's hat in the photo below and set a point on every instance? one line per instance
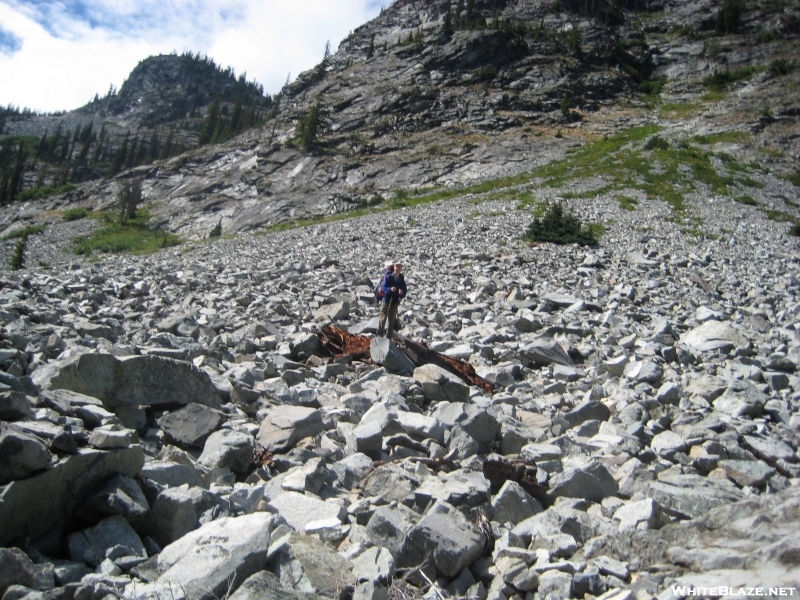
(388, 264)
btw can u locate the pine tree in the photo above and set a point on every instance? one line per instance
(166, 150)
(120, 156)
(15, 183)
(322, 67)
(470, 18)
(457, 23)
(210, 123)
(371, 49)
(312, 125)
(447, 25)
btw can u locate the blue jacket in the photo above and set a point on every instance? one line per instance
(391, 280)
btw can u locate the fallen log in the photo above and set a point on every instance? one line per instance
(340, 343)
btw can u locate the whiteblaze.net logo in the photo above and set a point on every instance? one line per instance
(682, 591)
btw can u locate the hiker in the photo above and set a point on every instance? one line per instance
(394, 290)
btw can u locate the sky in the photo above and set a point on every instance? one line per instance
(57, 54)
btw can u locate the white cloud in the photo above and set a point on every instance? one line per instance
(71, 50)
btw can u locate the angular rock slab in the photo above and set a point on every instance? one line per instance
(200, 564)
(287, 425)
(714, 335)
(439, 384)
(591, 483)
(305, 564)
(92, 545)
(191, 425)
(136, 380)
(386, 353)
(16, 569)
(228, 449)
(452, 542)
(33, 507)
(298, 509)
(21, 454)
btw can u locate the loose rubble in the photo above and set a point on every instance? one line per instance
(160, 437)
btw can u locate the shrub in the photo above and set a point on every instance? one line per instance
(656, 142)
(25, 232)
(311, 126)
(75, 214)
(729, 16)
(720, 80)
(780, 67)
(18, 258)
(487, 73)
(747, 200)
(560, 227)
(795, 229)
(217, 230)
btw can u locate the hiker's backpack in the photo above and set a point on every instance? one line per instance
(379, 288)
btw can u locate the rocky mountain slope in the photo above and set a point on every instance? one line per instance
(414, 106)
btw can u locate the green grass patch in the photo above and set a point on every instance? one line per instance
(778, 215)
(680, 111)
(795, 230)
(725, 137)
(43, 192)
(656, 143)
(750, 182)
(746, 200)
(720, 80)
(134, 237)
(76, 214)
(25, 232)
(794, 178)
(627, 203)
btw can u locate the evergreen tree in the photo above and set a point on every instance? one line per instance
(447, 26)
(210, 123)
(371, 49)
(154, 147)
(120, 156)
(15, 183)
(322, 67)
(312, 125)
(166, 150)
(470, 17)
(457, 23)
(130, 160)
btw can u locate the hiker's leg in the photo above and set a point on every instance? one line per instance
(392, 319)
(382, 319)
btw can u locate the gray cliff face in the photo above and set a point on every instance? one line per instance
(432, 109)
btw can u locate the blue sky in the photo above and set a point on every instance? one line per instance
(57, 54)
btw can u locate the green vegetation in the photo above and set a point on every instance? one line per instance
(656, 143)
(129, 197)
(779, 67)
(794, 178)
(18, 257)
(627, 203)
(76, 214)
(720, 80)
(216, 231)
(746, 200)
(44, 191)
(729, 16)
(732, 137)
(652, 87)
(133, 237)
(560, 227)
(795, 229)
(311, 126)
(25, 232)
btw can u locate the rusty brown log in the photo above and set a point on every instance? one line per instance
(340, 343)
(420, 354)
(498, 471)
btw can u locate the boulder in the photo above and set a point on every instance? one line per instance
(482, 426)
(93, 545)
(136, 380)
(333, 312)
(287, 425)
(21, 454)
(33, 507)
(191, 425)
(513, 504)
(16, 569)
(298, 509)
(121, 495)
(386, 353)
(205, 563)
(305, 564)
(14, 406)
(546, 352)
(439, 384)
(228, 449)
(714, 335)
(444, 534)
(592, 483)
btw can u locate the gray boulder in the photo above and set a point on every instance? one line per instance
(444, 534)
(93, 545)
(741, 399)
(22, 454)
(386, 353)
(204, 563)
(191, 425)
(305, 564)
(287, 425)
(714, 335)
(439, 384)
(298, 509)
(228, 449)
(593, 483)
(171, 474)
(513, 504)
(14, 406)
(482, 426)
(16, 569)
(32, 507)
(136, 380)
(121, 495)
(546, 352)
